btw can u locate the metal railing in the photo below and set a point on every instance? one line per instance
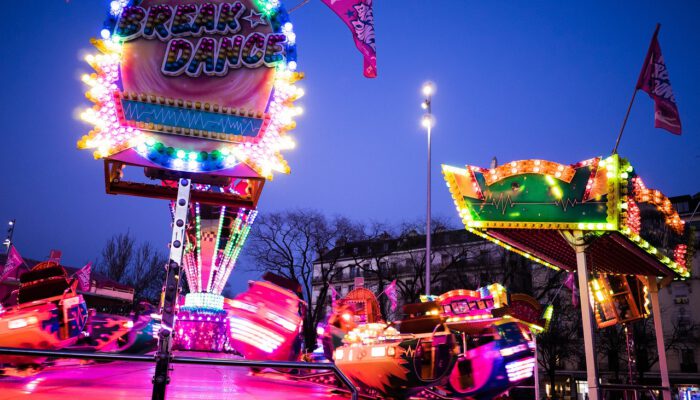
(187, 360)
(634, 390)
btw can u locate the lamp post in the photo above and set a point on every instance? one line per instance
(10, 232)
(428, 122)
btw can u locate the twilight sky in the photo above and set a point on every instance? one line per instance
(547, 80)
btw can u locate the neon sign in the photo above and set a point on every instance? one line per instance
(194, 86)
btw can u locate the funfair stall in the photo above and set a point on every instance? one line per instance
(595, 217)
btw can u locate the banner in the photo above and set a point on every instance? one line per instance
(13, 261)
(654, 80)
(570, 283)
(83, 276)
(55, 256)
(359, 17)
(390, 292)
(334, 297)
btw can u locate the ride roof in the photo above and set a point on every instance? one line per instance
(531, 206)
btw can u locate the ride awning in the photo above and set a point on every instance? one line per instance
(530, 207)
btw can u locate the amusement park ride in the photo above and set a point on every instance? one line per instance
(192, 104)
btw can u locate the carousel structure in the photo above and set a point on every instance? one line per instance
(596, 218)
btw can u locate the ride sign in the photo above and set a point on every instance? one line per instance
(194, 86)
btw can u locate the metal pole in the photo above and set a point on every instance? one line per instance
(658, 331)
(631, 361)
(624, 122)
(586, 316)
(428, 228)
(10, 233)
(537, 368)
(428, 89)
(170, 291)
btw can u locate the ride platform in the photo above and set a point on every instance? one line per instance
(125, 380)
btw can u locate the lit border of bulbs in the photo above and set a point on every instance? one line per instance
(109, 136)
(224, 262)
(553, 172)
(622, 185)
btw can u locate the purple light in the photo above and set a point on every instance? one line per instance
(196, 333)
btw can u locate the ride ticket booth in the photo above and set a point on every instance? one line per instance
(586, 218)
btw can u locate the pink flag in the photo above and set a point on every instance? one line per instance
(334, 296)
(83, 276)
(13, 261)
(55, 256)
(390, 292)
(570, 283)
(654, 80)
(358, 16)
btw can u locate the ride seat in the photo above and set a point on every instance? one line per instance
(42, 289)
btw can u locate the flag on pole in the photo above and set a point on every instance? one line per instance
(13, 261)
(55, 256)
(334, 297)
(359, 17)
(390, 292)
(654, 80)
(83, 276)
(570, 283)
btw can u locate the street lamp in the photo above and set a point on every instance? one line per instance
(10, 231)
(428, 121)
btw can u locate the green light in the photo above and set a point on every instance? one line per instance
(180, 154)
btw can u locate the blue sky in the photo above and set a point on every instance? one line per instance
(516, 80)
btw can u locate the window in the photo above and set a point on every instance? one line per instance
(682, 207)
(351, 288)
(382, 267)
(355, 251)
(385, 247)
(688, 364)
(352, 272)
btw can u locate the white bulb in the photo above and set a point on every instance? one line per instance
(105, 33)
(428, 89)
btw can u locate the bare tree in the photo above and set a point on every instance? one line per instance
(116, 256)
(287, 243)
(140, 266)
(560, 344)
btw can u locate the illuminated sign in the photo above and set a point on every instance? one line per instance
(194, 86)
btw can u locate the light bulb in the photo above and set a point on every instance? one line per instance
(428, 89)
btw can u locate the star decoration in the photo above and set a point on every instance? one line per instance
(255, 19)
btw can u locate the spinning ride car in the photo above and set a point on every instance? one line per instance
(463, 345)
(50, 313)
(266, 320)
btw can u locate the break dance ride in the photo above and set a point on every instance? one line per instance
(192, 103)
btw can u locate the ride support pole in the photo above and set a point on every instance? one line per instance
(577, 241)
(658, 330)
(171, 290)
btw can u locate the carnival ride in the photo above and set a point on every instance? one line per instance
(215, 236)
(596, 218)
(192, 104)
(266, 320)
(462, 344)
(50, 314)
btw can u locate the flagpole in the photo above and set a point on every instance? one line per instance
(624, 122)
(636, 88)
(298, 6)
